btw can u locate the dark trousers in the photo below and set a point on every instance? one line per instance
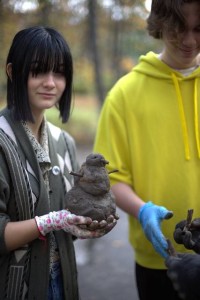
(154, 284)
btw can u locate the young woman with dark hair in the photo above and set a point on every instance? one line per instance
(37, 259)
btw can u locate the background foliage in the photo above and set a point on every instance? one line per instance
(106, 38)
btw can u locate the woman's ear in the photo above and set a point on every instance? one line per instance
(9, 70)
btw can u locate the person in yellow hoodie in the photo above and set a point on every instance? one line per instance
(149, 129)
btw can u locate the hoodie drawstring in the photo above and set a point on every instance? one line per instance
(183, 118)
(182, 115)
(196, 120)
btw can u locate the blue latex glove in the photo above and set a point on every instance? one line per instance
(150, 217)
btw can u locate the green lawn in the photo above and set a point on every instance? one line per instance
(82, 122)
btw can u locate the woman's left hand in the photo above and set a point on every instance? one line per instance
(97, 229)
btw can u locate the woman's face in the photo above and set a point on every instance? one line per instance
(45, 90)
(182, 48)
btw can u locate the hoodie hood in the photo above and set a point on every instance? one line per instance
(152, 66)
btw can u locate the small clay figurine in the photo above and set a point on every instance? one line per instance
(91, 195)
(187, 232)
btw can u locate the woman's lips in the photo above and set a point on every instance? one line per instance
(46, 95)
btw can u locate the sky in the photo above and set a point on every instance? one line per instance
(29, 5)
(26, 5)
(148, 4)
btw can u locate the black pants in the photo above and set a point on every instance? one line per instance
(154, 284)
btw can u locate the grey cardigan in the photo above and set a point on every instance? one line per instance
(23, 196)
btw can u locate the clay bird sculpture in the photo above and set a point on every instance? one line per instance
(91, 195)
(187, 232)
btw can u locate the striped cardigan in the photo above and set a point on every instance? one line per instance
(24, 273)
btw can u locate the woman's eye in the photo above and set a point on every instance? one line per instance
(37, 72)
(59, 73)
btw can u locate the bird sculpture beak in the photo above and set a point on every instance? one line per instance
(105, 161)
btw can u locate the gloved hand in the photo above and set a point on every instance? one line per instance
(150, 217)
(189, 237)
(68, 222)
(184, 272)
(109, 223)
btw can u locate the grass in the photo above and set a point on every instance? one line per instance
(83, 120)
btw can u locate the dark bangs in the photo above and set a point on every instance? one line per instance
(49, 56)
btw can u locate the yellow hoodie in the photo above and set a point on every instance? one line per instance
(149, 130)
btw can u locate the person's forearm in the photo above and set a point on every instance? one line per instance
(126, 199)
(20, 233)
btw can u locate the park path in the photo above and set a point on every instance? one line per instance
(106, 265)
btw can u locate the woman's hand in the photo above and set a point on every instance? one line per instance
(79, 226)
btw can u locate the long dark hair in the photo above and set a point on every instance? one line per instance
(37, 49)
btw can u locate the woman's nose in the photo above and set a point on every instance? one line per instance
(49, 80)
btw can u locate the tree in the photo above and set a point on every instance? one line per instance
(45, 8)
(106, 37)
(94, 49)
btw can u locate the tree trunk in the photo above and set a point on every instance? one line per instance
(94, 50)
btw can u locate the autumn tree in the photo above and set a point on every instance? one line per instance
(106, 37)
